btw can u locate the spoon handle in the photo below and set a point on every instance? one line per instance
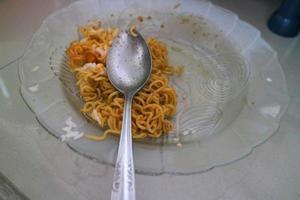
(124, 183)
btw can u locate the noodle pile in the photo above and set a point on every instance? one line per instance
(152, 107)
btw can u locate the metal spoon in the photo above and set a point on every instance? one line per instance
(128, 68)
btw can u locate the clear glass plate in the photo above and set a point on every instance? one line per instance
(230, 97)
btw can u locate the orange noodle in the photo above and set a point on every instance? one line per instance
(153, 106)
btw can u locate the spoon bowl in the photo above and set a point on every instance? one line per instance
(129, 62)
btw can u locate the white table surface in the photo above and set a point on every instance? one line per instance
(270, 172)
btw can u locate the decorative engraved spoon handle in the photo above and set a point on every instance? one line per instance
(123, 182)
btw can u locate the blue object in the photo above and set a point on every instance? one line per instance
(286, 20)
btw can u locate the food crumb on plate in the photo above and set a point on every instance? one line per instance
(70, 123)
(184, 20)
(34, 88)
(179, 145)
(177, 5)
(140, 18)
(70, 134)
(269, 79)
